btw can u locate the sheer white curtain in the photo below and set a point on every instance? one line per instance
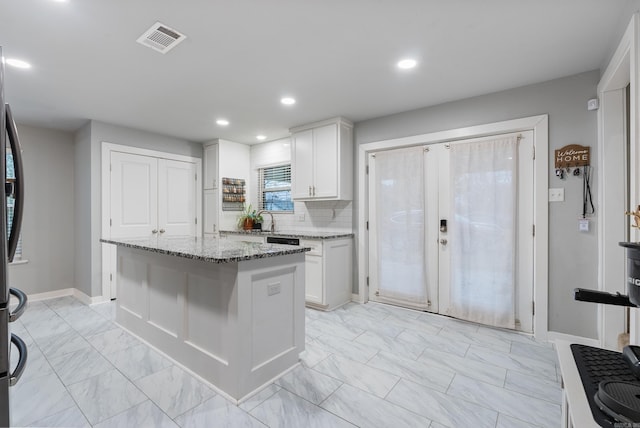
(483, 231)
(400, 220)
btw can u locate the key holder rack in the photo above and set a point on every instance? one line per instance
(569, 159)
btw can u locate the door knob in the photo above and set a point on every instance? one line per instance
(154, 231)
(162, 230)
(443, 241)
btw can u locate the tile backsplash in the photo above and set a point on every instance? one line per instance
(318, 215)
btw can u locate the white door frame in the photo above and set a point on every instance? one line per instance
(622, 70)
(540, 127)
(107, 249)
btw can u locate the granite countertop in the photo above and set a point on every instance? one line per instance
(207, 249)
(292, 234)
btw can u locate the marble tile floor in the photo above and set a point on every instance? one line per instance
(367, 365)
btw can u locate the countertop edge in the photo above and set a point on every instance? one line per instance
(573, 391)
(283, 252)
(300, 234)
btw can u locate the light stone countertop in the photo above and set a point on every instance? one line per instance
(206, 248)
(291, 234)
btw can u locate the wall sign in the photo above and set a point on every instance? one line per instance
(572, 156)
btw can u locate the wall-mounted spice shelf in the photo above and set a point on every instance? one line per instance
(233, 194)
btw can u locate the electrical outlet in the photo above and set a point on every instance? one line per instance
(273, 289)
(556, 195)
(300, 217)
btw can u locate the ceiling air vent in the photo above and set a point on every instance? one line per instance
(161, 38)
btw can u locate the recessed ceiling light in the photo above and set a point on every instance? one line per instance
(18, 63)
(406, 64)
(222, 122)
(288, 101)
(261, 137)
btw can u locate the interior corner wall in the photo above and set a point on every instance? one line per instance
(48, 221)
(82, 209)
(573, 256)
(89, 153)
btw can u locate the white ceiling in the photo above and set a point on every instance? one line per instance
(336, 57)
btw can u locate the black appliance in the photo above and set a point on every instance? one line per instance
(611, 379)
(13, 188)
(282, 240)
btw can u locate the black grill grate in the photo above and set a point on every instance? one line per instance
(596, 365)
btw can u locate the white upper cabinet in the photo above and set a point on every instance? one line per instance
(222, 159)
(322, 160)
(210, 167)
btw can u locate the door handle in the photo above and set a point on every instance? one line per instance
(22, 304)
(443, 241)
(162, 231)
(18, 190)
(22, 360)
(154, 231)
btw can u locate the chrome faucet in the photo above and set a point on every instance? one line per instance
(273, 222)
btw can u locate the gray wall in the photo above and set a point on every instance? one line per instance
(573, 255)
(88, 199)
(48, 222)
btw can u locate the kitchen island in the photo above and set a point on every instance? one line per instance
(231, 312)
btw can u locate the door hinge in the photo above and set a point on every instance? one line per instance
(110, 222)
(367, 225)
(110, 167)
(534, 230)
(533, 308)
(196, 220)
(196, 176)
(367, 281)
(367, 169)
(110, 277)
(534, 152)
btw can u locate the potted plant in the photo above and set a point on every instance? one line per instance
(249, 219)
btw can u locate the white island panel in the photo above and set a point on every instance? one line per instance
(238, 325)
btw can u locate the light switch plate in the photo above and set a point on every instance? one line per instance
(556, 195)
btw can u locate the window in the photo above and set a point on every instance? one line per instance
(11, 177)
(275, 188)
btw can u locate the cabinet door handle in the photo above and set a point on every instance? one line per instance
(154, 231)
(162, 231)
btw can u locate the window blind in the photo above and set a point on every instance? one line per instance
(275, 188)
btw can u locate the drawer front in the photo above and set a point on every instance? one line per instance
(316, 246)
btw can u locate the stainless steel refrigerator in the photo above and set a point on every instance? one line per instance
(10, 223)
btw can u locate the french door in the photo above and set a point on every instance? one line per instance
(451, 229)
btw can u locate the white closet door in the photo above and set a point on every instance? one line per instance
(134, 193)
(176, 197)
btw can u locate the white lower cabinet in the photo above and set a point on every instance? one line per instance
(328, 272)
(210, 203)
(328, 269)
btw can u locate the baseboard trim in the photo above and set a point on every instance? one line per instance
(356, 298)
(67, 292)
(553, 336)
(50, 294)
